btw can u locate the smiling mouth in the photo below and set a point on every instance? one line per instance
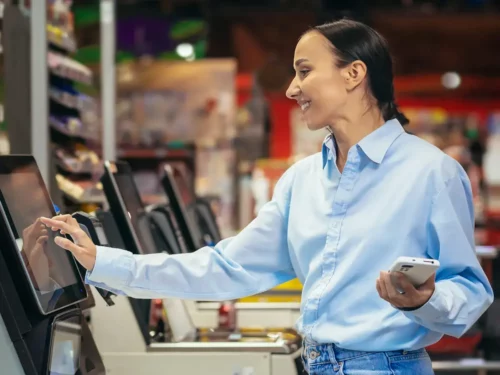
(305, 106)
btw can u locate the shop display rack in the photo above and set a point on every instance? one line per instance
(73, 117)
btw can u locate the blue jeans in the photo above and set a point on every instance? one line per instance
(329, 359)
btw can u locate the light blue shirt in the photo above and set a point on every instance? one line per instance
(397, 196)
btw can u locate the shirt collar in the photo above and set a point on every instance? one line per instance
(374, 145)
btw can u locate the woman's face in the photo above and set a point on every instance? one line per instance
(319, 86)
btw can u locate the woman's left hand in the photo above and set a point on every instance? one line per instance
(395, 288)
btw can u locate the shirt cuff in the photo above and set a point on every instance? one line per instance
(113, 267)
(437, 307)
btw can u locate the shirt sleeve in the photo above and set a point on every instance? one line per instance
(255, 260)
(463, 292)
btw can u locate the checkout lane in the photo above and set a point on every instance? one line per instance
(129, 345)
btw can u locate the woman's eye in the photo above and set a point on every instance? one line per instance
(304, 72)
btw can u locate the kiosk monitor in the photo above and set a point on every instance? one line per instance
(207, 220)
(118, 191)
(55, 281)
(127, 208)
(185, 219)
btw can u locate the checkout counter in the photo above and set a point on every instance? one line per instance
(125, 336)
(42, 330)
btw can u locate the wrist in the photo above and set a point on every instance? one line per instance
(426, 296)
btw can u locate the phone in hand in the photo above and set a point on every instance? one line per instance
(417, 270)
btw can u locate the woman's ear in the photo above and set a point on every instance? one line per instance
(354, 74)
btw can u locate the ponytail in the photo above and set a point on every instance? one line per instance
(391, 111)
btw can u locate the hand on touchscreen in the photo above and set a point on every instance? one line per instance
(83, 248)
(395, 288)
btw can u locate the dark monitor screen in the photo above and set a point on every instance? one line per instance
(180, 179)
(185, 218)
(133, 203)
(52, 271)
(127, 208)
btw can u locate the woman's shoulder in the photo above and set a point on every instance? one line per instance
(306, 164)
(429, 160)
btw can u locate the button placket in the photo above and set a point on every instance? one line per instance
(342, 195)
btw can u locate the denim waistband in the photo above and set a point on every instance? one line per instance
(332, 353)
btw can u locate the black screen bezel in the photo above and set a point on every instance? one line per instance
(191, 235)
(74, 293)
(141, 307)
(206, 214)
(118, 207)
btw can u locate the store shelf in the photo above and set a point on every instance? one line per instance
(86, 200)
(70, 170)
(73, 121)
(70, 127)
(156, 153)
(80, 192)
(61, 38)
(77, 166)
(78, 102)
(68, 68)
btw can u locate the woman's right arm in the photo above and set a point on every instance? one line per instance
(255, 260)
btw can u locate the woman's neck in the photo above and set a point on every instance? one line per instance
(349, 130)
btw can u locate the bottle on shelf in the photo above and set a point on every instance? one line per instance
(227, 316)
(157, 323)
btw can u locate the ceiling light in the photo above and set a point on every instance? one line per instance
(451, 80)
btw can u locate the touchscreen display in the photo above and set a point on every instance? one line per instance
(185, 217)
(136, 212)
(181, 180)
(52, 271)
(66, 347)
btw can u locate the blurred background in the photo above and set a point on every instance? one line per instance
(200, 85)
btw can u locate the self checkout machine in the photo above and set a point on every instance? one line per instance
(41, 288)
(129, 345)
(190, 222)
(194, 214)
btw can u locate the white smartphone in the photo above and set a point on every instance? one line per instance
(417, 270)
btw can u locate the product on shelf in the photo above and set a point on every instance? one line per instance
(61, 38)
(84, 161)
(80, 191)
(68, 68)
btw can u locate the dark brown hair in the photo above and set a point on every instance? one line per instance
(351, 41)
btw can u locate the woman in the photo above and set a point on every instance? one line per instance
(337, 221)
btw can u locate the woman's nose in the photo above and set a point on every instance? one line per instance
(293, 90)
